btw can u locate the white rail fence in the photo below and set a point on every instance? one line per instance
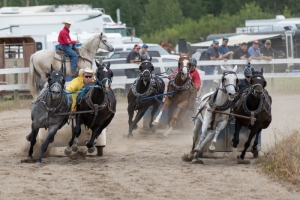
(273, 62)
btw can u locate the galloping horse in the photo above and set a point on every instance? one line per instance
(212, 122)
(51, 100)
(101, 100)
(184, 95)
(144, 86)
(39, 61)
(255, 102)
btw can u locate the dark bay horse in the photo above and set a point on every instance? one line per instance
(255, 103)
(51, 100)
(100, 99)
(184, 95)
(144, 86)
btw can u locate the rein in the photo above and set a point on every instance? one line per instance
(100, 40)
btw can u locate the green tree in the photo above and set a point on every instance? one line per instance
(160, 15)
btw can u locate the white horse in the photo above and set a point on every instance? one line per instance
(41, 60)
(213, 123)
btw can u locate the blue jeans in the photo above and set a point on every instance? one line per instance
(209, 70)
(73, 56)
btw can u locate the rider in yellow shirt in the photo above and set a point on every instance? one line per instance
(85, 76)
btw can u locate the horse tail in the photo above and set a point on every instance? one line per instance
(33, 78)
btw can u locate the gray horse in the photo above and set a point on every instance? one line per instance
(51, 100)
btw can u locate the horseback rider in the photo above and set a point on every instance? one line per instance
(194, 75)
(85, 76)
(65, 41)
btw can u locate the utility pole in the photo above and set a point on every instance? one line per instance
(4, 3)
(27, 3)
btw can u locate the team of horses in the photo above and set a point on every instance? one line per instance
(96, 106)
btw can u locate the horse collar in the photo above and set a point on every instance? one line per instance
(149, 91)
(185, 86)
(222, 107)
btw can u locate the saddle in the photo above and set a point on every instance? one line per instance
(61, 55)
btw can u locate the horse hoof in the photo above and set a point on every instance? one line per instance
(197, 161)
(212, 148)
(91, 150)
(136, 126)
(255, 153)
(29, 159)
(246, 162)
(28, 137)
(187, 157)
(196, 150)
(38, 162)
(74, 149)
(233, 144)
(68, 151)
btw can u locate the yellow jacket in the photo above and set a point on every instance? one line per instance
(75, 85)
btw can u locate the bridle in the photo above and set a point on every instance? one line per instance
(223, 89)
(101, 82)
(100, 40)
(181, 60)
(253, 91)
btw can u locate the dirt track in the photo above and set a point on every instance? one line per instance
(143, 167)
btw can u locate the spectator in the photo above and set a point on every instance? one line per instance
(212, 53)
(223, 49)
(254, 51)
(134, 56)
(243, 54)
(267, 54)
(144, 54)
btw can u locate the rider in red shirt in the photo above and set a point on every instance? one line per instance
(65, 41)
(194, 75)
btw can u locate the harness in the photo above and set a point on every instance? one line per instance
(153, 88)
(185, 86)
(63, 106)
(106, 103)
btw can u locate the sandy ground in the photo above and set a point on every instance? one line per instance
(143, 167)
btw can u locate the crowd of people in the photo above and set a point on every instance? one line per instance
(222, 52)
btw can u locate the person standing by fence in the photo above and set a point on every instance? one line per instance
(267, 54)
(212, 53)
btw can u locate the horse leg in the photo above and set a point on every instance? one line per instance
(51, 133)
(247, 144)
(75, 134)
(237, 128)
(254, 149)
(166, 104)
(33, 135)
(155, 108)
(197, 127)
(180, 106)
(169, 126)
(204, 138)
(130, 110)
(97, 132)
(221, 125)
(137, 118)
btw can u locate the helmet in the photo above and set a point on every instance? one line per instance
(193, 61)
(248, 70)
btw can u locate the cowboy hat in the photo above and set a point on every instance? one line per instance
(86, 70)
(67, 21)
